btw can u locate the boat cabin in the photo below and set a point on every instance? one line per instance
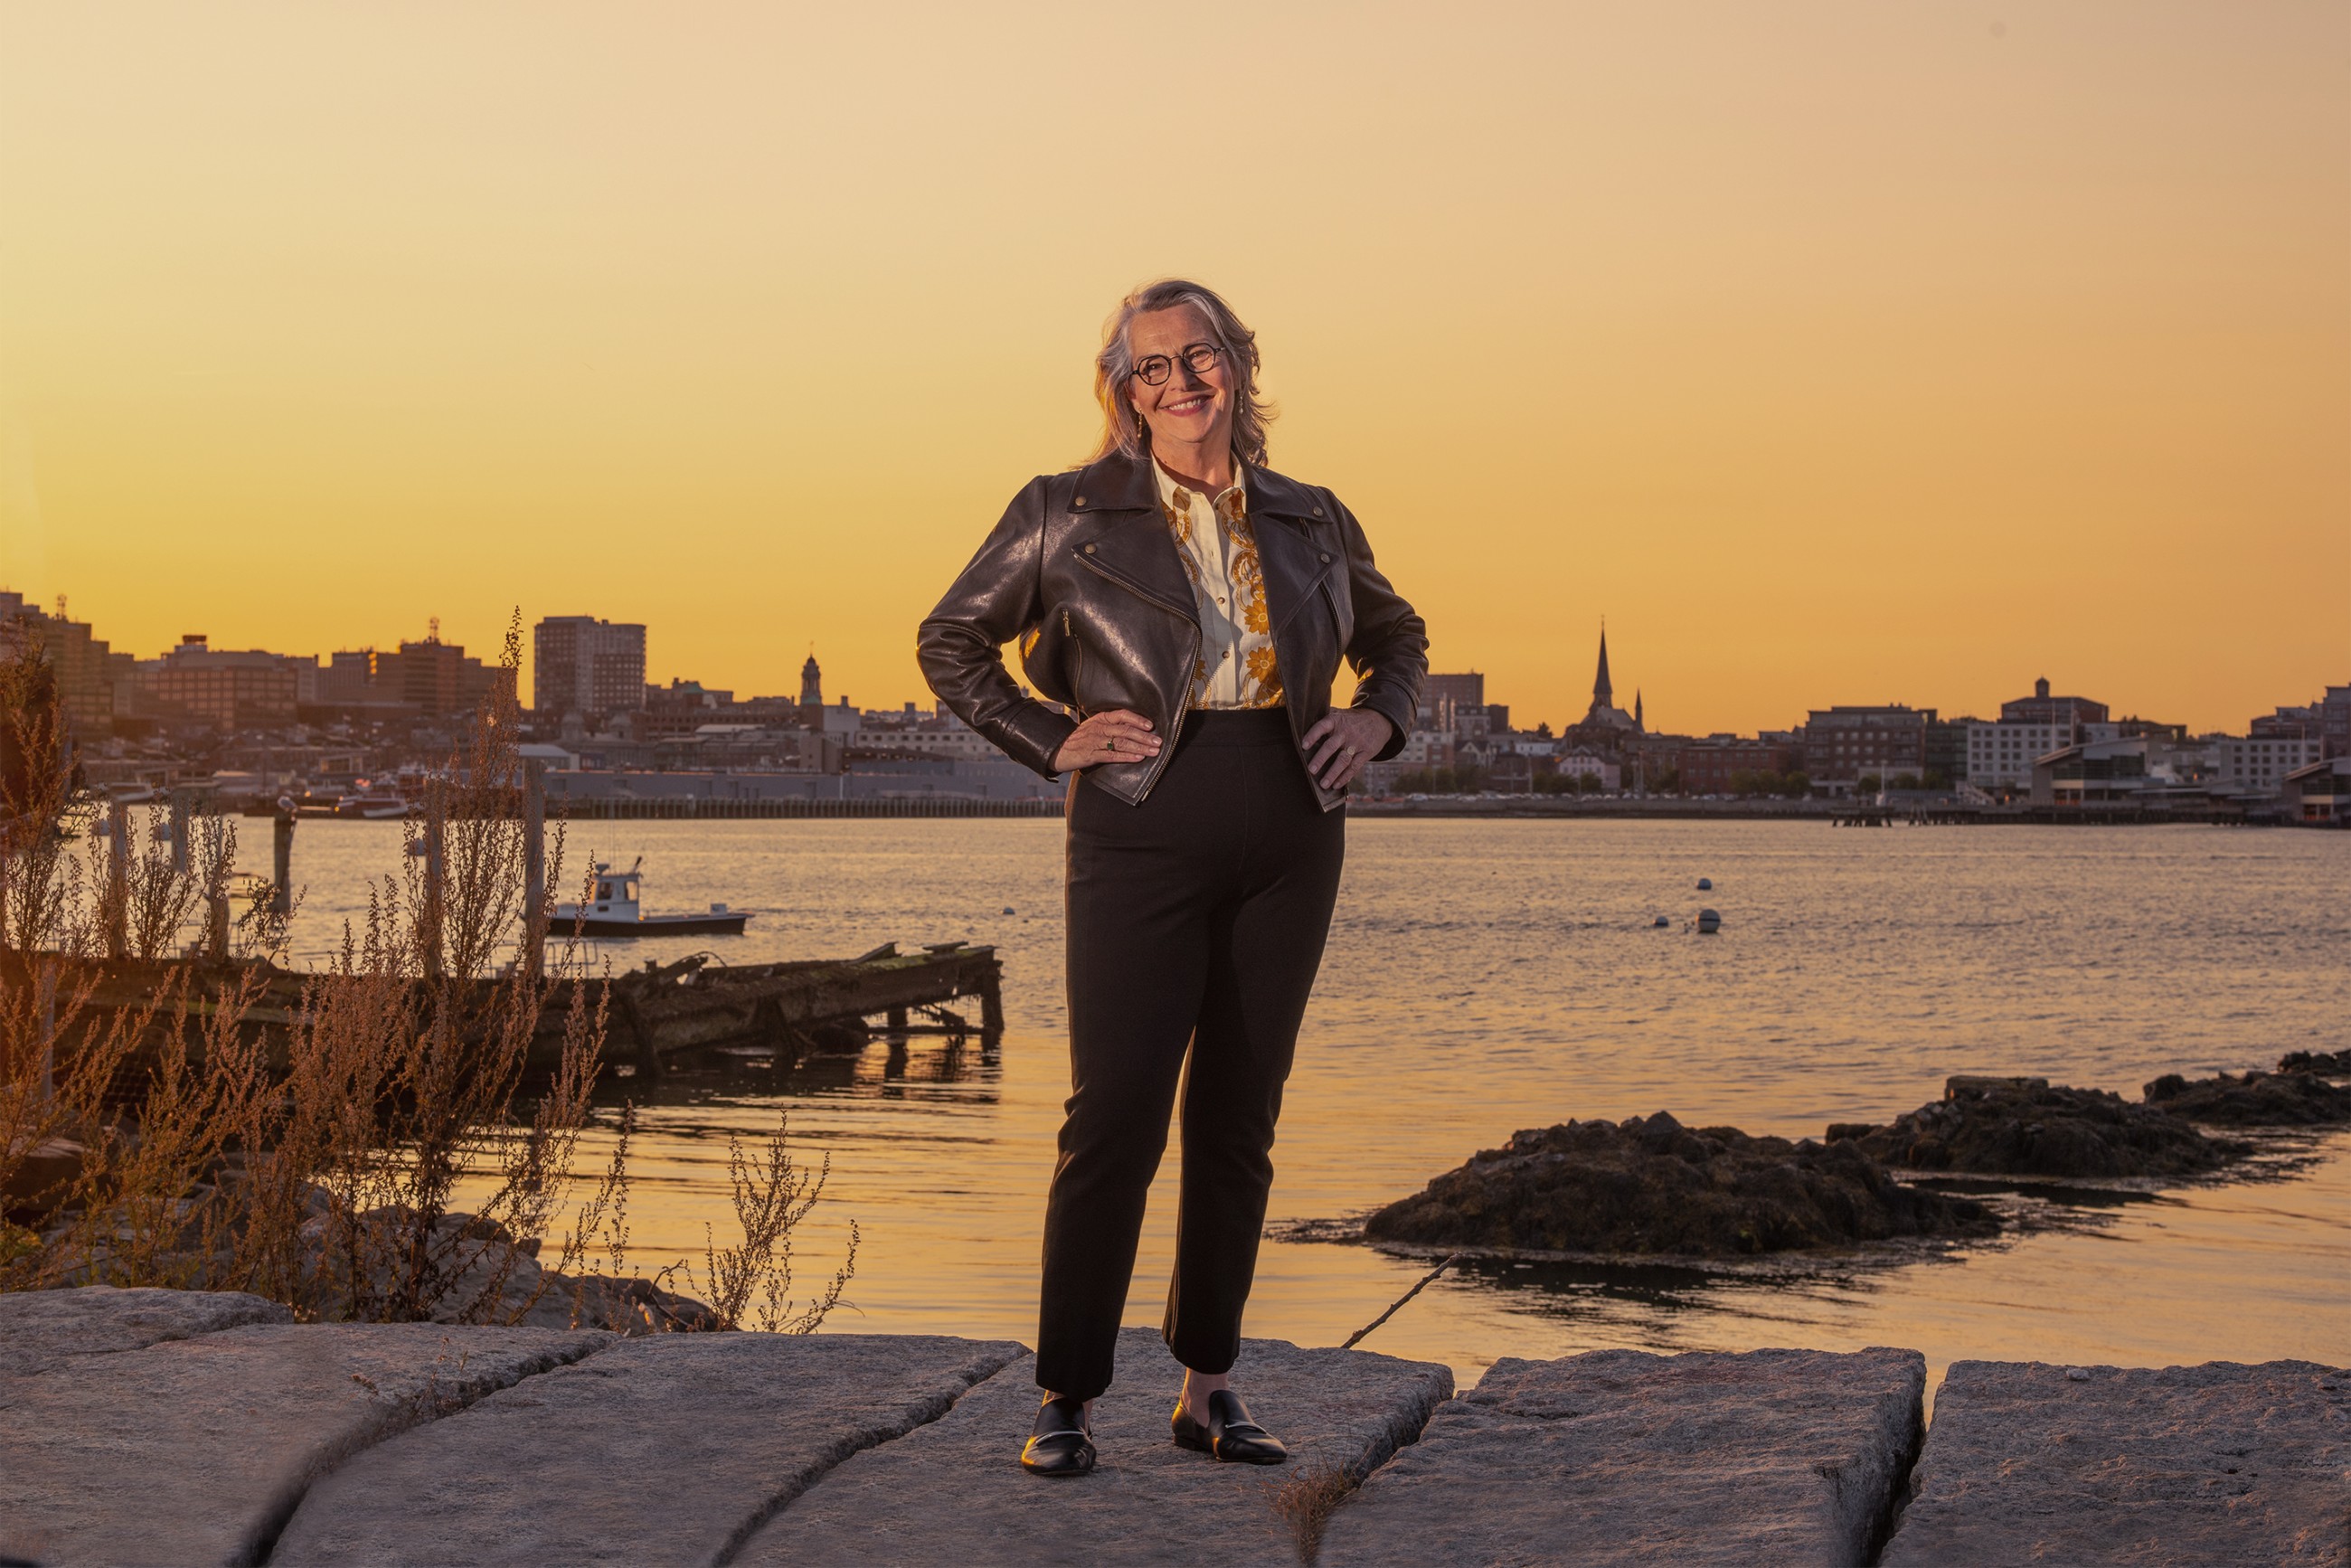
(617, 893)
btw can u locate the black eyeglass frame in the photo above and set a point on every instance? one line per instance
(1198, 358)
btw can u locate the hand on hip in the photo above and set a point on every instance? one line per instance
(1115, 736)
(1342, 741)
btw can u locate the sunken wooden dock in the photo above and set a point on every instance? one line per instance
(664, 1012)
(660, 1016)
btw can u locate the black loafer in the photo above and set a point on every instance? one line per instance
(1058, 1444)
(1229, 1434)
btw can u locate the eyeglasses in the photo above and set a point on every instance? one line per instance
(1198, 358)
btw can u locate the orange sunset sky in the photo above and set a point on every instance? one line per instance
(1834, 352)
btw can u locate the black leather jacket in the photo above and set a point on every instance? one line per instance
(1083, 573)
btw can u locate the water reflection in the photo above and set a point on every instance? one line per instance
(891, 1067)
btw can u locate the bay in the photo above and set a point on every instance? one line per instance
(1487, 976)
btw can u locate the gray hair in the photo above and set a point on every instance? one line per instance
(1122, 428)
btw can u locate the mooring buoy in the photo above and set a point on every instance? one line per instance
(1706, 884)
(1662, 921)
(1709, 922)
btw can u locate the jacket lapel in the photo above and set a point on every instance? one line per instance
(1294, 564)
(1120, 534)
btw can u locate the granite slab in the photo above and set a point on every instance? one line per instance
(1748, 1460)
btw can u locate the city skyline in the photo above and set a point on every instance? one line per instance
(634, 667)
(1827, 349)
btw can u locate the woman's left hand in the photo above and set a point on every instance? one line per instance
(1342, 741)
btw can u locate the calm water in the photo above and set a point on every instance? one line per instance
(1484, 976)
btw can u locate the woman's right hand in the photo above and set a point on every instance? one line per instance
(1115, 736)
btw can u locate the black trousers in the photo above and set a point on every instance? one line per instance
(1196, 919)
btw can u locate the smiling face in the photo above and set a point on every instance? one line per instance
(1190, 413)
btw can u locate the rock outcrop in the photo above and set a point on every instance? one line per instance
(2023, 1126)
(2325, 1063)
(2253, 1099)
(1650, 1186)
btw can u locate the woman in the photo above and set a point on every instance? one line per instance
(1188, 607)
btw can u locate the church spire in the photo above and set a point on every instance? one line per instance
(1603, 695)
(1638, 722)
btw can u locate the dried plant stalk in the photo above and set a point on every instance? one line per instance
(329, 1179)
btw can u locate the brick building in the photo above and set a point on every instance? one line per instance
(228, 689)
(1842, 744)
(1705, 766)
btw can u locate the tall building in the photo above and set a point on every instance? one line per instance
(93, 681)
(812, 683)
(1447, 703)
(439, 680)
(583, 666)
(429, 678)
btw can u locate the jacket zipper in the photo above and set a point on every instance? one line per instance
(1167, 745)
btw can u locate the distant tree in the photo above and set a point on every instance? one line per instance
(1869, 784)
(1795, 784)
(1938, 779)
(1543, 731)
(1667, 782)
(1905, 782)
(1743, 782)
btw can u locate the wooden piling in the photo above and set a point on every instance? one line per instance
(991, 1004)
(281, 892)
(179, 821)
(534, 867)
(437, 869)
(118, 879)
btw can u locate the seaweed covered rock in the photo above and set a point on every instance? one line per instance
(1649, 1185)
(2023, 1126)
(2325, 1063)
(2253, 1099)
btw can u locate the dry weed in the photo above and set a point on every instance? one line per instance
(319, 1161)
(772, 1195)
(1306, 1500)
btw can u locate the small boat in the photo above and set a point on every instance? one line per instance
(615, 912)
(374, 806)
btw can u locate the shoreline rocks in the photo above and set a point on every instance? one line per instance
(2325, 1063)
(2024, 1126)
(1649, 1186)
(2284, 1099)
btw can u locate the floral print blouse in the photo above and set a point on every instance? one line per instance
(1213, 539)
